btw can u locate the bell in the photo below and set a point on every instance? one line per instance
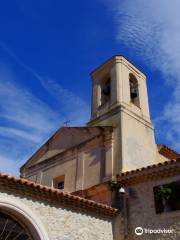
(107, 88)
(133, 93)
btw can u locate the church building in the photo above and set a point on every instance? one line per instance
(103, 180)
(119, 136)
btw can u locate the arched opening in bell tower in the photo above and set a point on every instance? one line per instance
(134, 90)
(105, 89)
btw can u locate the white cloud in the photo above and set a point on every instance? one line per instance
(29, 121)
(19, 105)
(17, 133)
(12, 55)
(75, 109)
(9, 164)
(26, 121)
(151, 30)
(14, 151)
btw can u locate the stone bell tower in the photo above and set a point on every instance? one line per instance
(119, 99)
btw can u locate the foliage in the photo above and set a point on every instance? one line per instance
(165, 192)
(113, 184)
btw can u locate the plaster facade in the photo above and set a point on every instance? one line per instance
(83, 165)
(133, 130)
(119, 136)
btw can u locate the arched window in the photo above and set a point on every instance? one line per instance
(134, 91)
(11, 228)
(105, 90)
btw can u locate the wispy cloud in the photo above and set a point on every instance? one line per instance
(75, 109)
(12, 55)
(26, 121)
(19, 105)
(9, 164)
(17, 133)
(151, 30)
(78, 114)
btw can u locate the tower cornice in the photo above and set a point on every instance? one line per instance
(116, 59)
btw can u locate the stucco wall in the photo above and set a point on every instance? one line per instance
(83, 166)
(134, 132)
(142, 212)
(139, 148)
(60, 223)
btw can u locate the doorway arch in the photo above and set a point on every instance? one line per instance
(15, 212)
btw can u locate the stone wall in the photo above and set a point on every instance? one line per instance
(60, 223)
(142, 212)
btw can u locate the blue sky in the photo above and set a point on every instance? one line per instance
(48, 48)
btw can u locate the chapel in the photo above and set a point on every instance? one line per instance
(119, 136)
(108, 180)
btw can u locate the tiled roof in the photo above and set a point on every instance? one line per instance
(167, 152)
(152, 172)
(54, 196)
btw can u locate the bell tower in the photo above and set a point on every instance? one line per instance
(119, 99)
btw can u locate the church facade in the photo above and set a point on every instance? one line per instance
(116, 176)
(119, 136)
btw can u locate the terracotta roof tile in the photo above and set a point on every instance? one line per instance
(26, 187)
(155, 171)
(167, 152)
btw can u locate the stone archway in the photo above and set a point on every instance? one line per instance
(18, 222)
(12, 229)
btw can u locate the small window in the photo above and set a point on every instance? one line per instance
(60, 185)
(167, 197)
(105, 90)
(134, 90)
(58, 182)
